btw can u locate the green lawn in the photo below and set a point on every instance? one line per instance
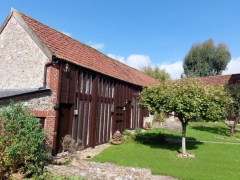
(212, 161)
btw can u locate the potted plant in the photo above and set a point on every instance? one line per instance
(117, 138)
(148, 126)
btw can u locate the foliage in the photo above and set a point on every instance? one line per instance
(21, 140)
(155, 72)
(138, 130)
(69, 144)
(190, 99)
(49, 175)
(67, 162)
(126, 132)
(234, 108)
(151, 138)
(206, 59)
(160, 117)
(162, 158)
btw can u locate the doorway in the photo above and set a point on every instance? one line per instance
(63, 124)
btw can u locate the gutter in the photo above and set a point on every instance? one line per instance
(45, 71)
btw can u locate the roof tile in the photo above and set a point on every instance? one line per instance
(221, 79)
(71, 50)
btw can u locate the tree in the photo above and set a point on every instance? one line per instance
(189, 99)
(234, 108)
(21, 141)
(206, 59)
(155, 72)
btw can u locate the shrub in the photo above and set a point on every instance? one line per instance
(47, 175)
(67, 162)
(126, 132)
(21, 141)
(69, 144)
(160, 117)
(138, 130)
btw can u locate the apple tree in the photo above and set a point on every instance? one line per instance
(189, 99)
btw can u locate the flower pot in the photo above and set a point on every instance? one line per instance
(115, 142)
(147, 128)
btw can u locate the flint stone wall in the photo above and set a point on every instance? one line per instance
(22, 61)
(39, 103)
(42, 103)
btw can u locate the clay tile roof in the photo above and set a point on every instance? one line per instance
(221, 79)
(71, 50)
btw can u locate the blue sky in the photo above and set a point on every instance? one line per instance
(138, 32)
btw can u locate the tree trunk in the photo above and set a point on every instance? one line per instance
(232, 129)
(184, 128)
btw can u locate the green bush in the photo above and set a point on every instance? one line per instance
(160, 117)
(126, 133)
(47, 175)
(21, 141)
(67, 162)
(138, 130)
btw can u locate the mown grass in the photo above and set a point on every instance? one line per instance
(205, 131)
(212, 161)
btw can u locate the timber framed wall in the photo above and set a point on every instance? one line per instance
(96, 106)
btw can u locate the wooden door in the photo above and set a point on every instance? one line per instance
(63, 124)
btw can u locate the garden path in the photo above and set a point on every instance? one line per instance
(80, 167)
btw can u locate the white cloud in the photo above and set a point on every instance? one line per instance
(67, 33)
(174, 69)
(137, 60)
(233, 67)
(134, 60)
(95, 45)
(119, 58)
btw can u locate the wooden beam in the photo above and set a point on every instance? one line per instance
(94, 113)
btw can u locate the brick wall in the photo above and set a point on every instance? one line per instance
(52, 115)
(49, 124)
(22, 66)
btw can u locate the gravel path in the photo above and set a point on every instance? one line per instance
(79, 167)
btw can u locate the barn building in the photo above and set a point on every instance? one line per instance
(73, 88)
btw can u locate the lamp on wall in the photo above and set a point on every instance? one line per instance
(66, 69)
(125, 103)
(56, 106)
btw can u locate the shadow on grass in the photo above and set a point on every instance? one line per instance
(160, 140)
(223, 131)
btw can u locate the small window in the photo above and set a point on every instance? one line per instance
(42, 122)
